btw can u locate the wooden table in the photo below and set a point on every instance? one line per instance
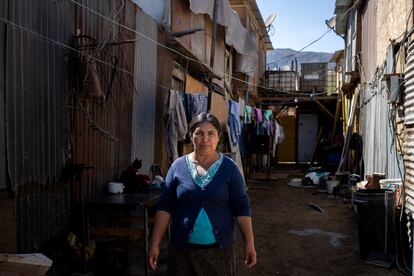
(124, 202)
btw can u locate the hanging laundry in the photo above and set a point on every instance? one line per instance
(233, 121)
(248, 113)
(195, 103)
(267, 121)
(258, 114)
(278, 136)
(259, 121)
(175, 123)
(199, 101)
(242, 105)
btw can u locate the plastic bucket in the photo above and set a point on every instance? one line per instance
(375, 208)
(330, 185)
(392, 185)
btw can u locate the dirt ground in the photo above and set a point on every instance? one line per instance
(294, 239)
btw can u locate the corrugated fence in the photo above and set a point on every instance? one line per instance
(409, 125)
(67, 92)
(36, 86)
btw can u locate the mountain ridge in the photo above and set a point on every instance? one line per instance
(281, 58)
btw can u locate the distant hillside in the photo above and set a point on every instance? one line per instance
(277, 56)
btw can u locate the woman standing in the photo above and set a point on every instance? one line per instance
(204, 195)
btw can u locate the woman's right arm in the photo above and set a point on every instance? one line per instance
(162, 219)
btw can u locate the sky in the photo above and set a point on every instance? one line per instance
(299, 22)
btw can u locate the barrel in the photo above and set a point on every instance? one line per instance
(376, 223)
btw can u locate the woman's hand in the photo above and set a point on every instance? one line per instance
(153, 256)
(250, 255)
(162, 218)
(245, 226)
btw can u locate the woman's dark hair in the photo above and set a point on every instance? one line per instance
(202, 118)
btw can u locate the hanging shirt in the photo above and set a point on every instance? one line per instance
(258, 114)
(175, 123)
(278, 136)
(259, 121)
(199, 102)
(248, 112)
(233, 121)
(203, 230)
(267, 117)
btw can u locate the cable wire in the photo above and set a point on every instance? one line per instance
(317, 39)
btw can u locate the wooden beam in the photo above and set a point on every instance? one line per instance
(324, 109)
(317, 145)
(24, 264)
(338, 107)
(117, 231)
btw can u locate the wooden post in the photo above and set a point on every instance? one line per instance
(316, 145)
(338, 107)
(212, 54)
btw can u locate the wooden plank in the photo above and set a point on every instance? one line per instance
(24, 264)
(116, 231)
(134, 219)
(324, 109)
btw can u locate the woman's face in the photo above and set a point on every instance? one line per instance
(205, 139)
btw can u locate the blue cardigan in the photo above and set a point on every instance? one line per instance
(223, 199)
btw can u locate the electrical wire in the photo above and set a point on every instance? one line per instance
(317, 39)
(63, 45)
(182, 55)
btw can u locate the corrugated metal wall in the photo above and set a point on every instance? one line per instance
(102, 123)
(143, 121)
(409, 125)
(350, 50)
(376, 114)
(379, 151)
(3, 14)
(368, 40)
(37, 84)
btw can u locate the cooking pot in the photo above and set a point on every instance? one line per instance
(116, 187)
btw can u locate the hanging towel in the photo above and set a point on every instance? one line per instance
(233, 121)
(175, 123)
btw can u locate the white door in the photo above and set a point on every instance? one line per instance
(307, 135)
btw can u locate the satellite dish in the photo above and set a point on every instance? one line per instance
(331, 22)
(270, 20)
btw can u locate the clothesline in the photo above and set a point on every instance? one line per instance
(182, 107)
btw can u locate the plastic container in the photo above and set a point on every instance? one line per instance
(392, 185)
(330, 185)
(116, 187)
(375, 210)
